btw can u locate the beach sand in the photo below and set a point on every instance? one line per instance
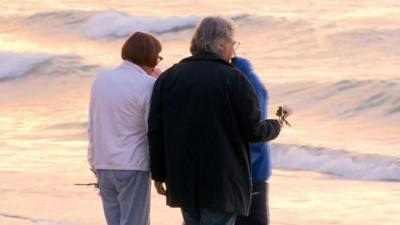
(308, 198)
(296, 198)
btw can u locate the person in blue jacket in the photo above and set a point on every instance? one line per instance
(260, 156)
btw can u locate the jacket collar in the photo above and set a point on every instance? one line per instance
(206, 56)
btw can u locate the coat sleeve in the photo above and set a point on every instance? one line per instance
(247, 110)
(156, 134)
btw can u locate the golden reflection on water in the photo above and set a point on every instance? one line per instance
(10, 43)
(43, 126)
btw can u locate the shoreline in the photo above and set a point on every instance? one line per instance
(296, 197)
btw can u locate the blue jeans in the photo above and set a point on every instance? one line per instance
(207, 217)
(259, 209)
(126, 196)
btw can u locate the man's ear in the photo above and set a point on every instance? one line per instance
(221, 47)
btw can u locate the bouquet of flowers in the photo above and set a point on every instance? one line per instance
(282, 114)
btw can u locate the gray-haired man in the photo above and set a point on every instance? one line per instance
(203, 114)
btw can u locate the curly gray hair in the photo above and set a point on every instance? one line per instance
(210, 32)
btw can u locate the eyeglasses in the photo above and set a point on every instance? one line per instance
(236, 45)
(159, 58)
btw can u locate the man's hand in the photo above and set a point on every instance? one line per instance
(281, 123)
(160, 187)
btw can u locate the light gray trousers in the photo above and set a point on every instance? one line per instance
(126, 196)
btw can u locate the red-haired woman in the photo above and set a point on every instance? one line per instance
(118, 146)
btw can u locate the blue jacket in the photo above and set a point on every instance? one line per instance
(260, 156)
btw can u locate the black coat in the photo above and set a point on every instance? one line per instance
(203, 114)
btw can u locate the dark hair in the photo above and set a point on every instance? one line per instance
(141, 49)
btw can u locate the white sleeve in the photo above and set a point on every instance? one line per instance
(147, 102)
(90, 134)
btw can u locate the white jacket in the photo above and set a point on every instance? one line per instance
(119, 108)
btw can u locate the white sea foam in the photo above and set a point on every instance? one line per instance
(116, 24)
(14, 65)
(337, 162)
(108, 24)
(18, 65)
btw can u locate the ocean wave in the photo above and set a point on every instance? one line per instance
(288, 31)
(18, 65)
(384, 39)
(336, 162)
(343, 99)
(63, 17)
(56, 23)
(110, 24)
(117, 24)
